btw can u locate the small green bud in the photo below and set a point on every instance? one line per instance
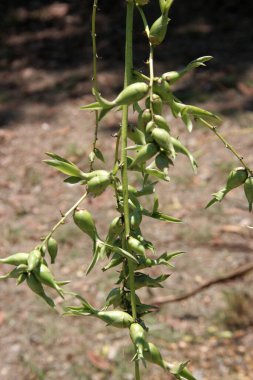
(85, 222)
(138, 337)
(34, 259)
(98, 184)
(131, 94)
(115, 318)
(136, 246)
(45, 276)
(236, 178)
(153, 355)
(163, 139)
(161, 122)
(158, 30)
(146, 116)
(136, 135)
(52, 247)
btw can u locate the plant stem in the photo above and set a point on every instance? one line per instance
(62, 220)
(227, 145)
(124, 176)
(151, 74)
(94, 75)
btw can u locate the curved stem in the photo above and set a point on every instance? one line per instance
(94, 76)
(62, 220)
(227, 145)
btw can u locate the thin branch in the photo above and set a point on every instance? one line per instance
(239, 272)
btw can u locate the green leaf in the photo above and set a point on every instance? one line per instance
(72, 180)
(197, 63)
(92, 107)
(157, 174)
(122, 252)
(187, 121)
(156, 204)
(161, 216)
(57, 157)
(65, 167)
(99, 154)
(167, 256)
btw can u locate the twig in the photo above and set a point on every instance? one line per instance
(239, 272)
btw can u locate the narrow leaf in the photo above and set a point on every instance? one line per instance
(122, 252)
(64, 167)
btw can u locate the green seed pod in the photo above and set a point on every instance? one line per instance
(150, 126)
(136, 246)
(135, 219)
(156, 105)
(115, 318)
(131, 94)
(138, 337)
(115, 229)
(37, 288)
(236, 178)
(158, 30)
(98, 184)
(43, 250)
(144, 154)
(52, 247)
(16, 259)
(44, 276)
(161, 122)
(171, 76)
(136, 135)
(96, 173)
(115, 261)
(162, 88)
(163, 139)
(34, 259)
(248, 190)
(85, 222)
(153, 355)
(146, 116)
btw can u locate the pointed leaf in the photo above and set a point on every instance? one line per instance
(65, 167)
(122, 252)
(92, 107)
(99, 154)
(72, 180)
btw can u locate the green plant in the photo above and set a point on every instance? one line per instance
(154, 149)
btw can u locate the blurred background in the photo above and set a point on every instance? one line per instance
(45, 69)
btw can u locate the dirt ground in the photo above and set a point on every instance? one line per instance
(45, 73)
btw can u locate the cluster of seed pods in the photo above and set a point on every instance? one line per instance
(154, 149)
